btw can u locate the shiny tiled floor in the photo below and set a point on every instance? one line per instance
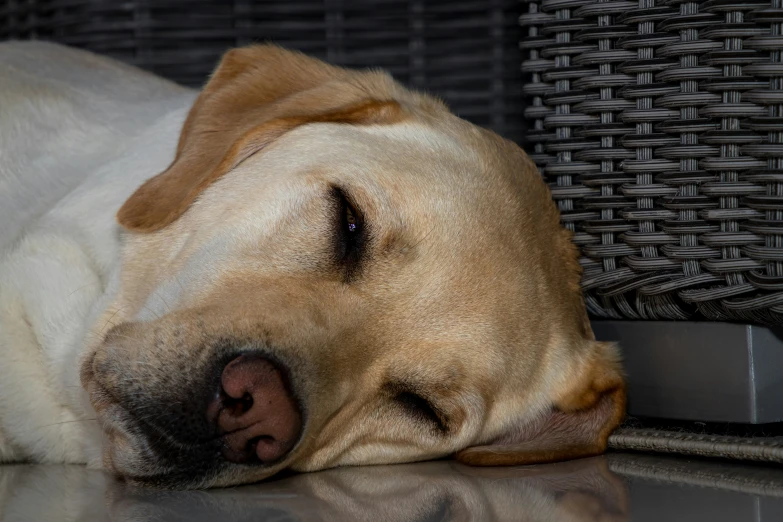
(616, 487)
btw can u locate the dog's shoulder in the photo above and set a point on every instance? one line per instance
(48, 89)
(75, 70)
(64, 113)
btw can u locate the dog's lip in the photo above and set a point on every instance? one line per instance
(100, 399)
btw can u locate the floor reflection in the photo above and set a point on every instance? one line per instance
(577, 491)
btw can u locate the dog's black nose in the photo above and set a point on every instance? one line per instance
(255, 412)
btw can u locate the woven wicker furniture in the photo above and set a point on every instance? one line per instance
(659, 124)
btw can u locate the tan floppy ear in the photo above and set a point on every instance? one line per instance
(255, 95)
(578, 425)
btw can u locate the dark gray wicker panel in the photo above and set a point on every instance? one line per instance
(659, 125)
(465, 51)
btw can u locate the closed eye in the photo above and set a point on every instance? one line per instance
(421, 409)
(350, 235)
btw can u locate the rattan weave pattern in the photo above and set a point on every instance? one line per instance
(465, 51)
(659, 125)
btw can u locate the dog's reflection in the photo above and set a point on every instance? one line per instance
(583, 490)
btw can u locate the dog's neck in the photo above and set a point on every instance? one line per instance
(62, 263)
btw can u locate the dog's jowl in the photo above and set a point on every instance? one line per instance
(298, 267)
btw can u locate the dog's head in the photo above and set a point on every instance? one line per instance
(335, 270)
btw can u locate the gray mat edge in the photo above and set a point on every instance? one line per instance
(759, 449)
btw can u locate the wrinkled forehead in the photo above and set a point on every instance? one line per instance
(409, 179)
(394, 164)
(408, 174)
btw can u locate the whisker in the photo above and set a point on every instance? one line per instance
(83, 287)
(65, 422)
(420, 241)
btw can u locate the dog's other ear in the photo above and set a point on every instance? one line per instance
(578, 424)
(255, 95)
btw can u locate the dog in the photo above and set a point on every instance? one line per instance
(298, 267)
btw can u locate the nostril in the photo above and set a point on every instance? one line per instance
(237, 407)
(246, 402)
(255, 413)
(242, 450)
(266, 439)
(263, 441)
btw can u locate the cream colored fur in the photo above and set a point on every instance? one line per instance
(78, 134)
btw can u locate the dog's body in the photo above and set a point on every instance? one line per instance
(224, 260)
(78, 134)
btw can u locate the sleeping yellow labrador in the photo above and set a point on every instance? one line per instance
(299, 267)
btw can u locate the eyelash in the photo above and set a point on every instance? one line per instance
(351, 234)
(421, 409)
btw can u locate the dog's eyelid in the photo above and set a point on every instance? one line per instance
(418, 404)
(351, 233)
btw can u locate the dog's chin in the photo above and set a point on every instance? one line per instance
(142, 459)
(160, 471)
